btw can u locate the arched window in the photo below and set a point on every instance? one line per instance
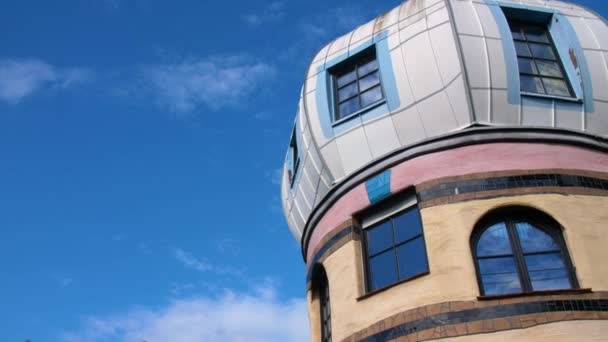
(322, 291)
(521, 250)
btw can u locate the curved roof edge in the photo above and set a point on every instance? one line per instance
(475, 134)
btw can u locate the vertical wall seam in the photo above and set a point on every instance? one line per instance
(463, 67)
(488, 69)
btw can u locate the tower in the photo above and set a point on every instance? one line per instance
(447, 175)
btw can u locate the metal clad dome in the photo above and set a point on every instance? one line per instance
(442, 68)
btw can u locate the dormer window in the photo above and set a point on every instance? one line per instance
(357, 84)
(293, 157)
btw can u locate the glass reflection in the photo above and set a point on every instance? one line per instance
(382, 268)
(494, 241)
(499, 275)
(411, 258)
(533, 239)
(407, 226)
(380, 238)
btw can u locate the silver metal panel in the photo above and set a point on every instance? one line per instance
(536, 111)
(353, 149)
(569, 115)
(381, 136)
(437, 115)
(503, 113)
(421, 67)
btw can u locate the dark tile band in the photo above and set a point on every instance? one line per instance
(510, 182)
(486, 313)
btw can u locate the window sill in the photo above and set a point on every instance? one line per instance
(382, 289)
(358, 113)
(552, 97)
(535, 293)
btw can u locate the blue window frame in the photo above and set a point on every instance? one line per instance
(356, 84)
(395, 249)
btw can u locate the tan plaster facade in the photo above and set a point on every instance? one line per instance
(554, 332)
(447, 230)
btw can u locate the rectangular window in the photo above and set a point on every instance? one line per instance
(356, 84)
(395, 249)
(540, 69)
(293, 158)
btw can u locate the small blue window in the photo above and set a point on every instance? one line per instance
(293, 157)
(395, 249)
(356, 84)
(541, 71)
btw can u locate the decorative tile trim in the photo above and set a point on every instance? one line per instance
(451, 319)
(504, 183)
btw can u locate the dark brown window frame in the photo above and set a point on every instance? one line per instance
(366, 256)
(322, 285)
(541, 221)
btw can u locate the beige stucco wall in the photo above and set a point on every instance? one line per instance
(554, 332)
(447, 230)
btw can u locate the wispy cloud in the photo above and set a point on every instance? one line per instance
(20, 78)
(203, 265)
(334, 21)
(275, 175)
(191, 261)
(252, 316)
(214, 82)
(271, 13)
(62, 280)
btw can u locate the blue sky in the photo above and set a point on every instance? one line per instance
(141, 143)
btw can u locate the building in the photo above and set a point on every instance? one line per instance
(447, 175)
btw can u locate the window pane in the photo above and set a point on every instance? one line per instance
(412, 258)
(533, 239)
(542, 51)
(531, 84)
(379, 237)
(407, 225)
(547, 68)
(346, 78)
(348, 91)
(499, 275)
(371, 96)
(527, 66)
(516, 32)
(556, 87)
(369, 81)
(368, 67)
(348, 107)
(383, 270)
(536, 34)
(547, 271)
(494, 241)
(522, 49)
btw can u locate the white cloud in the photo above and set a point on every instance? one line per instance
(202, 265)
(258, 316)
(21, 78)
(273, 12)
(275, 175)
(215, 82)
(63, 281)
(191, 261)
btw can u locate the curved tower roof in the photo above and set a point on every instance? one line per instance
(434, 74)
